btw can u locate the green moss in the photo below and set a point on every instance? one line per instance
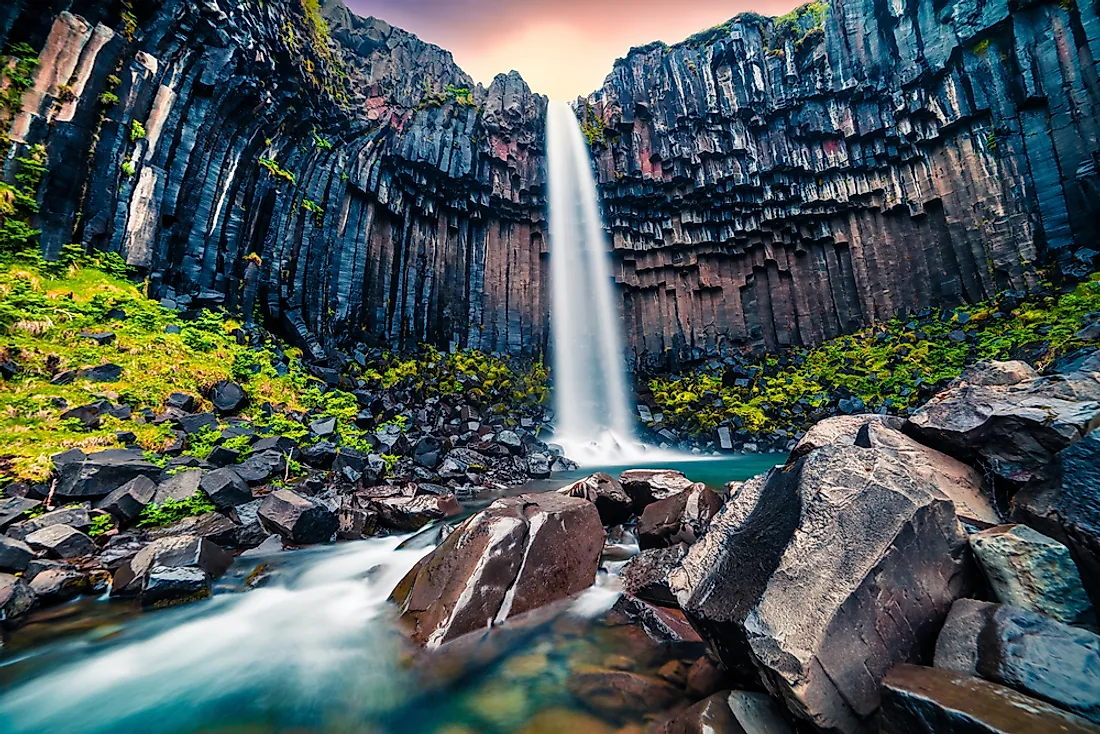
(886, 365)
(276, 170)
(314, 208)
(172, 511)
(108, 98)
(100, 525)
(805, 23)
(44, 306)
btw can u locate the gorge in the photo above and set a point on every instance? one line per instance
(755, 392)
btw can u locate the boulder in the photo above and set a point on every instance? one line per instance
(406, 514)
(1067, 508)
(681, 518)
(178, 551)
(1029, 652)
(607, 494)
(197, 423)
(61, 541)
(918, 700)
(225, 488)
(168, 586)
(538, 466)
(259, 468)
(107, 372)
(14, 508)
(839, 430)
(517, 555)
(320, 455)
(1015, 430)
(16, 598)
(801, 563)
(648, 485)
(961, 483)
(181, 401)
(228, 397)
(725, 712)
(646, 574)
(179, 487)
(14, 554)
(59, 584)
(98, 474)
(324, 426)
(297, 519)
(220, 456)
(664, 626)
(427, 452)
(1031, 571)
(459, 462)
(999, 374)
(76, 516)
(127, 502)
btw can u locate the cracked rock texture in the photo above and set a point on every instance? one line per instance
(765, 193)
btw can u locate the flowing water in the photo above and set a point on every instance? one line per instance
(594, 423)
(304, 642)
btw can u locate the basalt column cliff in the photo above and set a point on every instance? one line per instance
(778, 182)
(337, 174)
(767, 183)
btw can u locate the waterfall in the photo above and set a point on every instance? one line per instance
(594, 423)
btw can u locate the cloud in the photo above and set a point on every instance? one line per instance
(563, 48)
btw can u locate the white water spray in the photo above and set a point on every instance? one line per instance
(593, 417)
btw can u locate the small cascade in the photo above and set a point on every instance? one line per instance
(594, 423)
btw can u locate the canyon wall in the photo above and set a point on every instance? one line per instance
(775, 183)
(334, 173)
(767, 183)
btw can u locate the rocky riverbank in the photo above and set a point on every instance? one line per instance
(901, 576)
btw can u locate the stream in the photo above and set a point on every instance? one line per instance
(304, 641)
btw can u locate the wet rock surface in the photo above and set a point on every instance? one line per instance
(516, 556)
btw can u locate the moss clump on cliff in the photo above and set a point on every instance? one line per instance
(44, 309)
(803, 24)
(894, 365)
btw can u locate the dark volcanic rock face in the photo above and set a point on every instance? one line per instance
(773, 192)
(353, 182)
(766, 184)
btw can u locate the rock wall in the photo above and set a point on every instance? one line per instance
(342, 177)
(767, 183)
(770, 184)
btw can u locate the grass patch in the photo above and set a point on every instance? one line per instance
(172, 511)
(43, 309)
(893, 365)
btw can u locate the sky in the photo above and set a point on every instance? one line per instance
(563, 48)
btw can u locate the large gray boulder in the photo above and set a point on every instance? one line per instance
(515, 556)
(90, 476)
(1015, 430)
(61, 541)
(297, 519)
(1067, 507)
(840, 430)
(820, 577)
(1031, 571)
(127, 502)
(1029, 652)
(16, 598)
(145, 574)
(649, 485)
(919, 700)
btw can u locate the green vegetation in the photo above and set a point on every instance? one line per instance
(275, 170)
(594, 131)
(172, 511)
(19, 203)
(108, 99)
(885, 365)
(805, 23)
(137, 131)
(44, 306)
(16, 67)
(314, 208)
(100, 525)
(320, 142)
(129, 168)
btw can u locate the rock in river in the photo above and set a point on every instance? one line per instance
(825, 574)
(518, 554)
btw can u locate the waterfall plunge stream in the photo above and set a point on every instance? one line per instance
(594, 424)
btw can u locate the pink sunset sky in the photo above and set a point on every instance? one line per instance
(563, 48)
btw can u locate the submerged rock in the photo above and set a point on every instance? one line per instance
(800, 562)
(517, 555)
